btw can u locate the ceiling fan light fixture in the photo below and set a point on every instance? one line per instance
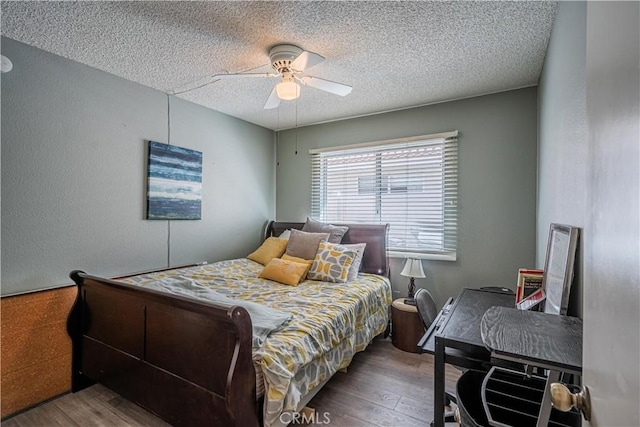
(288, 90)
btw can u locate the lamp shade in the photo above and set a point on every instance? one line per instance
(288, 90)
(413, 268)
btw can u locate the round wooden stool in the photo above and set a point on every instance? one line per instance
(406, 326)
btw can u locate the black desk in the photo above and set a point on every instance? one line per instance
(548, 341)
(455, 338)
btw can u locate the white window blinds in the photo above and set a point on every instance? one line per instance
(409, 183)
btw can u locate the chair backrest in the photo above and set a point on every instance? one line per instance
(426, 306)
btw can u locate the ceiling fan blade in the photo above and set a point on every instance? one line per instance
(239, 75)
(326, 85)
(273, 101)
(306, 60)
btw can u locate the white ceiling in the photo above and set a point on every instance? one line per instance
(395, 54)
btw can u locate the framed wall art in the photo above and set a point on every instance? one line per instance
(174, 189)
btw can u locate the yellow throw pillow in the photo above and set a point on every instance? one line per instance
(331, 263)
(272, 248)
(283, 271)
(308, 262)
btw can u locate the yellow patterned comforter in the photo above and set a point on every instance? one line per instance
(331, 322)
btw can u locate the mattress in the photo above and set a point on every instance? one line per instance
(331, 322)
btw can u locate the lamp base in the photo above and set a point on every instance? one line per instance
(410, 300)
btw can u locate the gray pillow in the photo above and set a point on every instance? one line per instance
(336, 231)
(355, 265)
(305, 245)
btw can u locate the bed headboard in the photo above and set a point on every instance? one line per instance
(374, 260)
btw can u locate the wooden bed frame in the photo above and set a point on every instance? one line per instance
(189, 362)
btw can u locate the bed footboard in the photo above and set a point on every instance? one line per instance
(188, 362)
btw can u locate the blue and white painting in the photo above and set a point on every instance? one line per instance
(175, 182)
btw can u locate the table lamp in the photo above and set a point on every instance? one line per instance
(412, 268)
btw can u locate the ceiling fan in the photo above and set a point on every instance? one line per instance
(290, 62)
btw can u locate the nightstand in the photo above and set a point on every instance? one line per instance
(406, 326)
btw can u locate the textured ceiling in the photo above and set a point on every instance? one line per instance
(394, 54)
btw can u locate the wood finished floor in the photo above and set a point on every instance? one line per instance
(383, 386)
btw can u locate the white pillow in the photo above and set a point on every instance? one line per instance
(285, 234)
(354, 269)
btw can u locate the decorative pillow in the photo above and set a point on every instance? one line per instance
(283, 271)
(355, 266)
(336, 231)
(273, 247)
(307, 262)
(332, 263)
(285, 234)
(304, 245)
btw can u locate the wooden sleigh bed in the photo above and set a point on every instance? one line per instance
(171, 354)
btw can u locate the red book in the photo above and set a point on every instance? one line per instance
(529, 281)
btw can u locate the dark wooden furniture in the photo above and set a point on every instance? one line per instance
(406, 326)
(533, 338)
(374, 260)
(541, 340)
(187, 361)
(455, 338)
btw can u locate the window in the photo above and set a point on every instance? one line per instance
(410, 184)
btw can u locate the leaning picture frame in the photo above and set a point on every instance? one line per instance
(558, 267)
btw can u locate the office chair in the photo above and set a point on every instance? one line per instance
(427, 311)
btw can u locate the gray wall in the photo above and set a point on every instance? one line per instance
(497, 182)
(74, 175)
(562, 146)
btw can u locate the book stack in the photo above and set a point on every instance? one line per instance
(529, 281)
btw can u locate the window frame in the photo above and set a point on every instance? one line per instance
(449, 198)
